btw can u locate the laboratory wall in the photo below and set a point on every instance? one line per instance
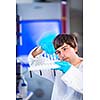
(76, 25)
(39, 11)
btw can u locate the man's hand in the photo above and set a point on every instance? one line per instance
(46, 43)
(64, 66)
(37, 51)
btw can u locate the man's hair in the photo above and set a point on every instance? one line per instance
(69, 39)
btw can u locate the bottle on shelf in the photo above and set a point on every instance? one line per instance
(23, 87)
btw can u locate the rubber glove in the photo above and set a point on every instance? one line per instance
(46, 42)
(64, 66)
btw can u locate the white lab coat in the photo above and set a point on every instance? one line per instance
(67, 86)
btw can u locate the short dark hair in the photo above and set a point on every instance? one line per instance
(69, 39)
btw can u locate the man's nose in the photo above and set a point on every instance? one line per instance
(62, 55)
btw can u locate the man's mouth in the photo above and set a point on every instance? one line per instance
(66, 59)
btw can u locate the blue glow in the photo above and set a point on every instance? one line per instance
(32, 31)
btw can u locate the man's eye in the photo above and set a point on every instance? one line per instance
(64, 49)
(58, 52)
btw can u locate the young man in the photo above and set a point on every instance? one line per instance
(68, 77)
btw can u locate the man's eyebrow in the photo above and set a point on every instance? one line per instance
(64, 46)
(61, 48)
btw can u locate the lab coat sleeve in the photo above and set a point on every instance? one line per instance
(74, 79)
(47, 74)
(31, 61)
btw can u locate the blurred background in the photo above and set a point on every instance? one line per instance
(36, 17)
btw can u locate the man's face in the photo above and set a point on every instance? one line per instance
(65, 52)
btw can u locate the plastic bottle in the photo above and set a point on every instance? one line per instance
(23, 88)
